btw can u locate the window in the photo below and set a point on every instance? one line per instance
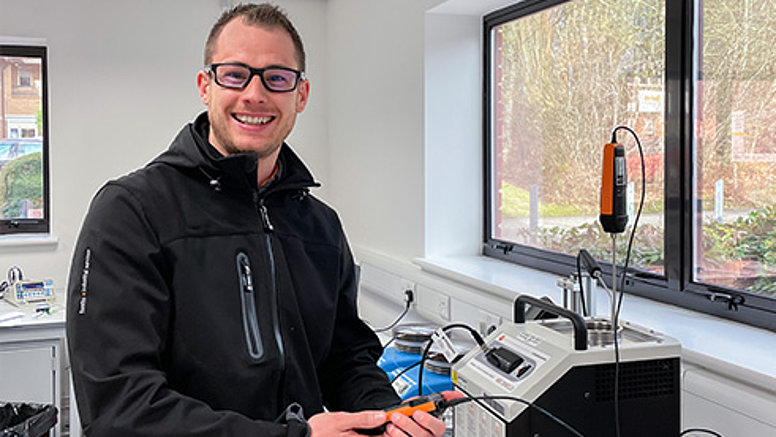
(24, 187)
(735, 147)
(697, 85)
(25, 78)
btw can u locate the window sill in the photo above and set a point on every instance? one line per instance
(740, 351)
(29, 240)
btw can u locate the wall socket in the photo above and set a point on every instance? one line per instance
(434, 303)
(443, 307)
(406, 284)
(487, 322)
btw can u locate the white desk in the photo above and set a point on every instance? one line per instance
(32, 359)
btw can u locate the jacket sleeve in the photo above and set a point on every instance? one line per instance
(117, 321)
(350, 378)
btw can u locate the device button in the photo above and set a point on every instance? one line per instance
(504, 359)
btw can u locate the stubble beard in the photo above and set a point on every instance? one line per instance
(224, 140)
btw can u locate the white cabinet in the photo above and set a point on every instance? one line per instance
(28, 372)
(31, 363)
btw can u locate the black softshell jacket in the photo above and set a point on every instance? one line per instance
(200, 306)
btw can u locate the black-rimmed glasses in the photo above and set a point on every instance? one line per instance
(238, 76)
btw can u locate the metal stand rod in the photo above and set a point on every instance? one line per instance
(614, 283)
(589, 296)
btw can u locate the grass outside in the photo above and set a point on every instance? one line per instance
(515, 202)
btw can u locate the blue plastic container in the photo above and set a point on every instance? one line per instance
(394, 360)
(436, 376)
(408, 343)
(406, 385)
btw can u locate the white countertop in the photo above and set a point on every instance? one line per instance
(12, 316)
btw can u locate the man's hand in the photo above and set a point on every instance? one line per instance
(345, 424)
(421, 424)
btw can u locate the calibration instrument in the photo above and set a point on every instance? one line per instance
(25, 291)
(566, 366)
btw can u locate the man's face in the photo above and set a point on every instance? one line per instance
(252, 119)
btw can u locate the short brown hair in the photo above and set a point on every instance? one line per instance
(263, 15)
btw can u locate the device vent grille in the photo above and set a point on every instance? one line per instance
(640, 379)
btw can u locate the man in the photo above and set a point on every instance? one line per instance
(210, 295)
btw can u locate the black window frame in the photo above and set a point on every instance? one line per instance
(676, 286)
(10, 226)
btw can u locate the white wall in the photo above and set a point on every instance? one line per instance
(453, 135)
(376, 121)
(381, 132)
(121, 85)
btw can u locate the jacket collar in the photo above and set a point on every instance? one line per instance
(191, 150)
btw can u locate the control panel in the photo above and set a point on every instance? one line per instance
(26, 291)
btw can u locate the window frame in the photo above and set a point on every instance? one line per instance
(11, 226)
(676, 286)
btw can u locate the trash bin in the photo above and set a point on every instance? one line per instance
(26, 420)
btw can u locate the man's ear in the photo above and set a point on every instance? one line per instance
(302, 95)
(203, 85)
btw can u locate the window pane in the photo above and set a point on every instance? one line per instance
(21, 138)
(735, 186)
(563, 78)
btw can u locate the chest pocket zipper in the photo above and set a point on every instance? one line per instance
(248, 299)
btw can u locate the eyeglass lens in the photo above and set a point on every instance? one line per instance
(237, 76)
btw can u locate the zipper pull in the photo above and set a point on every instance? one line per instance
(247, 280)
(265, 218)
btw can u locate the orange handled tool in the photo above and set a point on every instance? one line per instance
(433, 404)
(430, 404)
(614, 214)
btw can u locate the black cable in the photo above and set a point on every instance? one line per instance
(14, 274)
(389, 342)
(398, 319)
(616, 377)
(707, 431)
(581, 288)
(405, 370)
(616, 315)
(422, 365)
(454, 402)
(638, 214)
(472, 331)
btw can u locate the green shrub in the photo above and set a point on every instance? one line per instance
(21, 179)
(750, 239)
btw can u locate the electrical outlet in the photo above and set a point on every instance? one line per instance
(443, 307)
(434, 303)
(487, 322)
(406, 284)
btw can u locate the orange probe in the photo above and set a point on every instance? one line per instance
(614, 214)
(433, 404)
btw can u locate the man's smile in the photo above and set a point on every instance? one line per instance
(253, 120)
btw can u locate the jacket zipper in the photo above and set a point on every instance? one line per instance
(268, 228)
(248, 299)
